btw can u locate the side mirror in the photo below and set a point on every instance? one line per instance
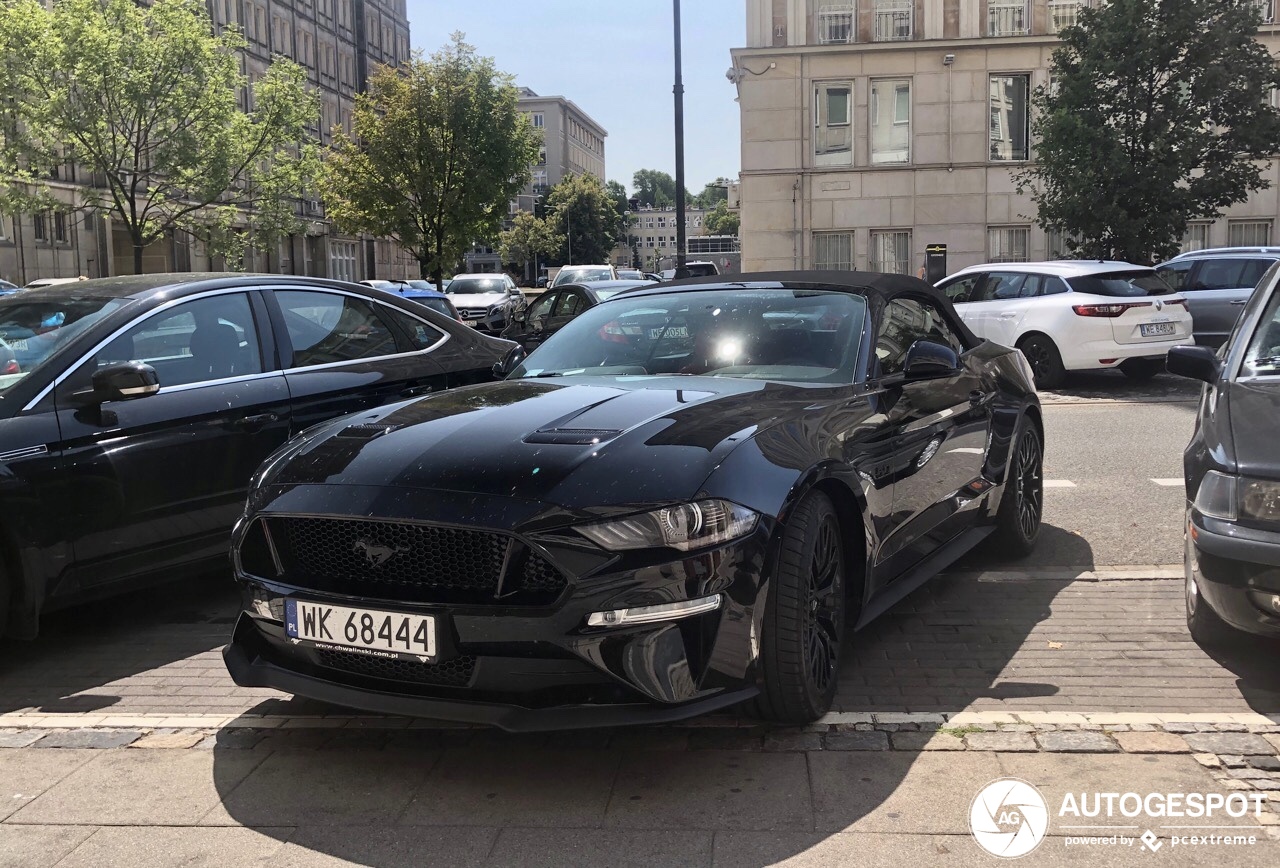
(927, 360)
(509, 362)
(1196, 363)
(125, 381)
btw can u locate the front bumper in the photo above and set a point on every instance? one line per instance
(489, 323)
(1237, 572)
(534, 667)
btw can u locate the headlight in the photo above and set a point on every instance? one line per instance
(494, 308)
(1260, 500)
(684, 527)
(1217, 496)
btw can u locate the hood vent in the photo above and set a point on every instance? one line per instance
(572, 436)
(365, 430)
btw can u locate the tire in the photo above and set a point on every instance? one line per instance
(804, 620)
(1045, 360)
(1022, 504)
(1205, 625)
(1141, 370)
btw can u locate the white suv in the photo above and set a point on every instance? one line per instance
(1073, 315)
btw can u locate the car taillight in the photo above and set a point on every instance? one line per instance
(1107, 310)
(11, 367)
(613, 333)
(1180, 302)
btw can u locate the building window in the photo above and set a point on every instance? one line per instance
(892, 20)
(342, 260)
(1248, 233)
(60, 227)
(1057, 243)
(39, 227)
(539, 177)
(833, 251)
(6, 229)
(1065, 13)
(835, 24)
(1008, 18)
(1267, 9)
(1197, 237)
(833, 124)
(891, 252)
(1010, 118)
(890, 120)
(542, 157)
(537, 119)
(1008, 244)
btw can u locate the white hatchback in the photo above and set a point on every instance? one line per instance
(1073, 315)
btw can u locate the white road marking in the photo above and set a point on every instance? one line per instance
(1059, 483)
(1171, 482)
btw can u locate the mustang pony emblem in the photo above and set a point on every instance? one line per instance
(375, 554)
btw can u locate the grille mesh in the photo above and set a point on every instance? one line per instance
(448, 673)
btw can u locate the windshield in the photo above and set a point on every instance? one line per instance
(30, 330)
(582, 275)
(1262, 358)
(476, 286)
(437, 304)
(1121, 284)
(764, 334)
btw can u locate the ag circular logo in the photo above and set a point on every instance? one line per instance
(1009, 818)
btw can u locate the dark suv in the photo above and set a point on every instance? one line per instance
(1216, 284)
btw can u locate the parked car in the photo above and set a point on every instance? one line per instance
(1073, 315)
(420, 291)
(486, 301)
(695, 269)
(656, 278)
(583, 274)
(1232, 472)
(634, 274)
(551, 311)
(42, 282)
(143, 405)
(687, 498)
(1216, 285)
(7, 288)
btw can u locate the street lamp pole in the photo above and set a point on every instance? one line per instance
(681, 268)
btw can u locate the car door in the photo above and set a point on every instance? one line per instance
(1217, 290)
(531, 329)
(571, 303)
(962, 291)
(343, 353)
(159, 480)
(940, 428)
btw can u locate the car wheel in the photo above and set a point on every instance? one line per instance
(1205, 625)
(1045, 361)
(1141, 369)
(1022, 504)
(803, 625)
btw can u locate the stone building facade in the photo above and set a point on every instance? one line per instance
(872, 128)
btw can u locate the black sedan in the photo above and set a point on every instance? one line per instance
(135, 410)
(549, 312)
(1232, 472)
(685, 500)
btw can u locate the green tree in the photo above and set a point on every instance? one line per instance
(716, 191)
(439, 151)
(146, 98)
(655, 189)
(722, 221)
(528, 238)
(583, 214)
(1159, 115)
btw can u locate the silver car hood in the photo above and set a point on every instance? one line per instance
(478, 299)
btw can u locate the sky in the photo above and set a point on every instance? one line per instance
(615, 60)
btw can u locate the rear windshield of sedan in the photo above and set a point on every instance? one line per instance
(476, 286)
(32, 328)
(1121, 284)
(582, 275)
(796, 335)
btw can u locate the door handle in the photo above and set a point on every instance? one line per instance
(1240, 302)
(257, 421)
(414, 391)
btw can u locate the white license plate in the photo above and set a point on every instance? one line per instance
(367, 629)
(1157, 328)
(19, 344)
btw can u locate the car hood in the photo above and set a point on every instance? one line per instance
(477, 299)
(577, 443)
(1255, 417)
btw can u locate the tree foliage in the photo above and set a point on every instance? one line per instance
(146, 99)
(1159, 115)
(721, 221)
(712, 193)
(528, 238)
(584, 215)
(655, 188)
(439, 151)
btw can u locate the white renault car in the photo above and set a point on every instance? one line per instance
(1074, 315)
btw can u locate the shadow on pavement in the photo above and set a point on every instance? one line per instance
(379, 796)
(1252, 659)
(1055, 546)
(1115, 386)
(83, 650)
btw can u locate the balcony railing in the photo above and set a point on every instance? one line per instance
(892, 20)
(1008, 19)
(835, 24)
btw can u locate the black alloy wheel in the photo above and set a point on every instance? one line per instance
(1022, 504)
(1045, 361)
(804, 620)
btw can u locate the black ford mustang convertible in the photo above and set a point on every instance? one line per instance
(686, 499)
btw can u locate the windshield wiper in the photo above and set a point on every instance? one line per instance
(543, 374)
(1265, 362)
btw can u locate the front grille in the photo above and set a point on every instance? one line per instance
(413, 562)
(446, 673)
